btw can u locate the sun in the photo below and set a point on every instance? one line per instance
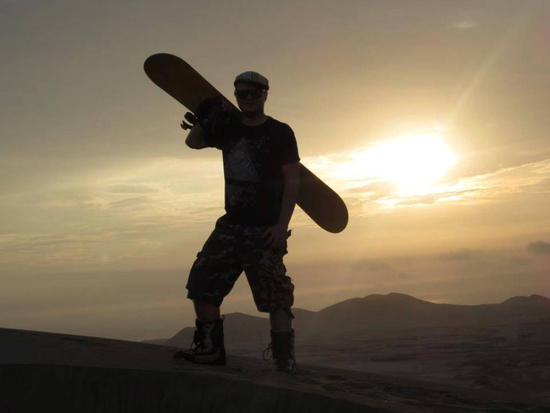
(413, 163)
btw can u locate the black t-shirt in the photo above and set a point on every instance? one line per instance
(252, 160)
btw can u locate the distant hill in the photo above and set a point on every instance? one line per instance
(401, 311)
(376, 315)
(533, 301)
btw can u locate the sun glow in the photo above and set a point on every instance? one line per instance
(414, 163)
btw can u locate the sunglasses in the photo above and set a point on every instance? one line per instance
(249, 93)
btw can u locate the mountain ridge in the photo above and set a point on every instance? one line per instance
(376, 312)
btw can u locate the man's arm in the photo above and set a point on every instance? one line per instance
(291, 176)
(216, 114)
(195, 139)
(277, 234)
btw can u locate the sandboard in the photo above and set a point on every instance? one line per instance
(177, 78)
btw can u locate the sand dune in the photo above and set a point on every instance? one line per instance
(62, 373)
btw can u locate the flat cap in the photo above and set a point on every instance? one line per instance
(253, 78)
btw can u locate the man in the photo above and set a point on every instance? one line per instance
(261, 168)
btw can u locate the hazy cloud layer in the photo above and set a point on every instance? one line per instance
(463, 254)
(141, 304)
(119, 210)
(114, 216)
(539, 247)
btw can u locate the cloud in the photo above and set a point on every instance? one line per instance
(539, 247)
(463, 254)
(465, 24)
(130, 202)
(131, 189)
(367, 194)
(363, 266)
(375, 189)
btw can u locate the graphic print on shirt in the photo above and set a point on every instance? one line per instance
(240, 173)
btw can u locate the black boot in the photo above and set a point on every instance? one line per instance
(282, 348)
(207, 346)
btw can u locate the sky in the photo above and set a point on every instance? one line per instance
(429, 118)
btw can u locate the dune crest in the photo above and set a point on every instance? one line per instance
(63, 373)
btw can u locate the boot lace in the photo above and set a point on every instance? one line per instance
(197, 345)
(268, 353)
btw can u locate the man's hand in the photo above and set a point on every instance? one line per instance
(216, 116)
(275, 236)
(228, 107)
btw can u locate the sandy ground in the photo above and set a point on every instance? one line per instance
(521, 368)
(33, 365)
(511, 359)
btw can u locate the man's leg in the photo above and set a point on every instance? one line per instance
(212, 277)
(282, 340)
(208, 345)
(281, 320)
(206, 312)
(273, 292)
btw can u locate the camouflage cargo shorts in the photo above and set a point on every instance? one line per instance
(229, 250)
